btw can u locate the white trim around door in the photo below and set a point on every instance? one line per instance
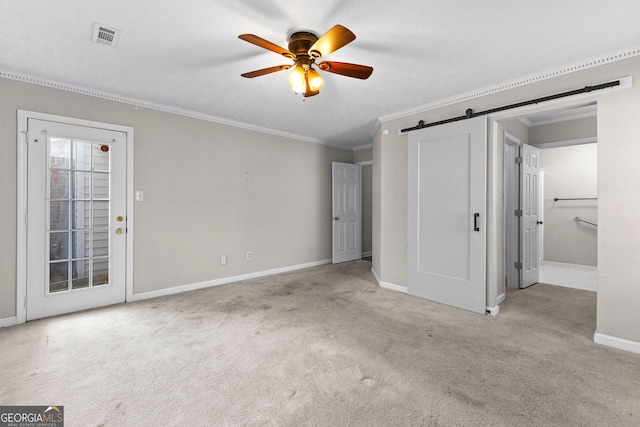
(21, 226)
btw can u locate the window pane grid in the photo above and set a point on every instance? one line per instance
(79, 212)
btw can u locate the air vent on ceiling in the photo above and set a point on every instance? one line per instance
(105, 35)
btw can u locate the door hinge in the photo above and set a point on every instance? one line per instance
(518, 212)
(518, 266)
(518, 160)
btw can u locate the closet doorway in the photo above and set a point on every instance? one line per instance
(566, 192)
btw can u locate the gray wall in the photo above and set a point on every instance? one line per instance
(363, 154)
(515, 128)
(619, 199)
(570, 172)
(210, 190)
(564, 131)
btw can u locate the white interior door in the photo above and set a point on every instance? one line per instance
(76, 218)
(447, 214)
(346, 212)
(530, 220)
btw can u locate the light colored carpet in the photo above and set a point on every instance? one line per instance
(323, 347)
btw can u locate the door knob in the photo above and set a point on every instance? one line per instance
(336, 218)
(119, 230)
(539, 222)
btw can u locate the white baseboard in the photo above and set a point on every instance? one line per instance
(393, 287)
(223, 281)
(8, 321)
(388, 285)
(366, 254)
(615, 342)
(375, 276)
(575, 276)
(501, 298)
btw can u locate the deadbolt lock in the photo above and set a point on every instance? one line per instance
(119, 218)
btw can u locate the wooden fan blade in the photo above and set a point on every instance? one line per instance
(265, 44)
(262, 72)
(346, 69)
(332, 40)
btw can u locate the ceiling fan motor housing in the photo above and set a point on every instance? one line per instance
(301, 42)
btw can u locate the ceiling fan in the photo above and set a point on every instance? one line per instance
(304, 49)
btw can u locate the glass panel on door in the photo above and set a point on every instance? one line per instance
(79, 211)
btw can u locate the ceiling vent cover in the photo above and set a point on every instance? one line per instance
(105, 35)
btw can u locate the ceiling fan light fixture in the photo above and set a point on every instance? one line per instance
(315, 80)
(304, 48)
(297, 79)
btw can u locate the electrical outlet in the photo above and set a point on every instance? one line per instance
(248, 255)
(223, 260)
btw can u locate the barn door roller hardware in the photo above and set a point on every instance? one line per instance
(470, 114)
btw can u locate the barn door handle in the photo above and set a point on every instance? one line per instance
(475, 221)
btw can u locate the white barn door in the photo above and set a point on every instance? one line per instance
(346, 212)
(447, 214)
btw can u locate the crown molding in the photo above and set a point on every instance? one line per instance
(511, 84)
(362, 147)
(26, 78)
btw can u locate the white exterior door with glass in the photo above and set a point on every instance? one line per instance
(76, 218)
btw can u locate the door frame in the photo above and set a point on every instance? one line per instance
(363, 164)
(495, 187)
(511, 228)
(21, 225)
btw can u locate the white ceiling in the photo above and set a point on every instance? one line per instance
(186, 54)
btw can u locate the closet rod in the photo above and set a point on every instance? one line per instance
(578, 219)
(470, 114)
(578, 198)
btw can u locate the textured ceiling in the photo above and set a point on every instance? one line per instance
(186, 54)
